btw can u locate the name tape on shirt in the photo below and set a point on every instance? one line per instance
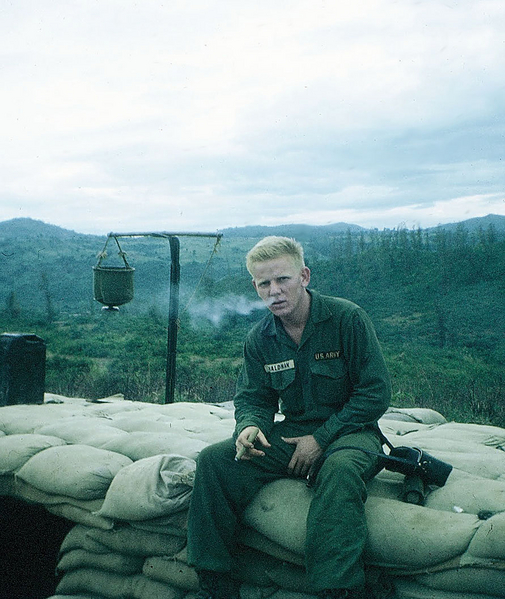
(280, 366)
(328, 355)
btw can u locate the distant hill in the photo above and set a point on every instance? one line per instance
(473, 224)
(18, 228)
(305, 232)
(29, 227)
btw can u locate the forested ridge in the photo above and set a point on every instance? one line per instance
(436, 296)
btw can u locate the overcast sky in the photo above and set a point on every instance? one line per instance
(196, 115)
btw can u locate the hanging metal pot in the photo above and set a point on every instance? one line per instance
(113, 285)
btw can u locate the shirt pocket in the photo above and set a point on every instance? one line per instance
(330, 382)
(289, 393)
(282, 380)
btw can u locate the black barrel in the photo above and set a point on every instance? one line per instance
(22, 369)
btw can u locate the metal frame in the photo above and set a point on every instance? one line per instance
(173, 309)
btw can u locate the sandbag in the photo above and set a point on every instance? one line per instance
(15, 450)
(63, 399)
(420, 415)
(250, 591)
(402, 535)
(76, 597)
(195, 410)
(140, 445)
(110, 562)
(26, 419)
(488, 543)
(115, 586)
(434, 444)
(79, 471)
(280, 509)
(76, 510)
(289, 577)
(392, 428)
(201, 427)
(174, 524)
(403, 539)
(255, 540)
(79, 515)
(411, 589)
(285, 594)
(150, 488)
(108, 406)
(488, 463)
(78, 538)
(146, 588)
(219, 431)
(88, 580)
(472, 495)
(148, 421)
(486, 581)
(279, 512)
(29, 493)
(171, 571)
(491, 436)
(249, 566)
(131, 541)
(84, 430)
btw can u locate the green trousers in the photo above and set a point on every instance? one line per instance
(336, 524)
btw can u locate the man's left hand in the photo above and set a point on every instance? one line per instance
(306, 453)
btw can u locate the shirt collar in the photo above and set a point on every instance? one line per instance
(319, 312)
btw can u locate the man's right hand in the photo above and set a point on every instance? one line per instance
(243, 442)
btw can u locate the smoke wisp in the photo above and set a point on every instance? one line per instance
(214, 310)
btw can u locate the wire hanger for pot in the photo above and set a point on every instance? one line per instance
(103, 254)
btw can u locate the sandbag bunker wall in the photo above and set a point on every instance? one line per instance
(120, 475)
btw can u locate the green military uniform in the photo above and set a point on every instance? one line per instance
(334, 385)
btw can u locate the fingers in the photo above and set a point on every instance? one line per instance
(298, 468)
(307, 450)
(291, 440)
(297, 465)
(263, 440)
(306, 453)
(245, 443)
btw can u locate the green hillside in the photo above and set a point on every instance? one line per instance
(437, 297)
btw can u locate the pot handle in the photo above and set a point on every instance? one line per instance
(103, 254)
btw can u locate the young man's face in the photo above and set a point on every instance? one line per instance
(281, 285)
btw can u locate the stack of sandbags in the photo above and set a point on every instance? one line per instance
(434, 550)
(452, 548)
(123, 472)
(120, 469)
(64, 454)
(110, 563)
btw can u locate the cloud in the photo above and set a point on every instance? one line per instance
(412, 215)
(215, 114)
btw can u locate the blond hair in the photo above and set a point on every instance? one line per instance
(273, 247)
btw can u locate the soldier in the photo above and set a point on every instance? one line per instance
(316, 359)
